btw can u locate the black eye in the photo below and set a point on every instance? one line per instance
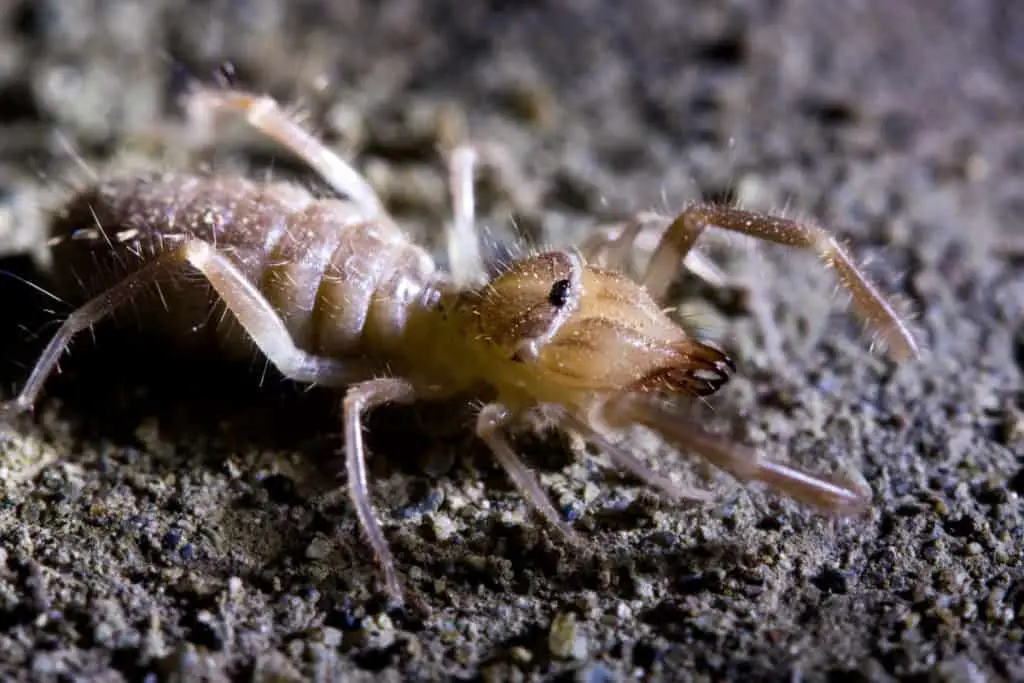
(559, 294)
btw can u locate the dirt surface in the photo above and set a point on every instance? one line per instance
(169, 519)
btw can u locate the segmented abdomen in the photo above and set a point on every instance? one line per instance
(325, 269)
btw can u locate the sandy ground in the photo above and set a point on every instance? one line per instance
(168, 519)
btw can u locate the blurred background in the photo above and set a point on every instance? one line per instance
(171, 549)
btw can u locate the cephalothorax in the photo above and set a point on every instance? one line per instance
(334, 293)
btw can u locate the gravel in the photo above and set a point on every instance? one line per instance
(168, 518)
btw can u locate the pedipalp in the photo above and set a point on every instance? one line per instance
(829, 495)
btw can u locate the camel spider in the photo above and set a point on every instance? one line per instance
(333, 292)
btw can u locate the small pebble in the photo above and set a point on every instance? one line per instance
(274, 667)
(441, 527)
(959, 670)
(476, 562)
(377, 632)
(520, 655)
(595, 673)
(318, 549)
(623, 611)
(642, 588)
(330, 636)
(171, 540)
(565, 639)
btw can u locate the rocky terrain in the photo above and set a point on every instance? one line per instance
(163, 517)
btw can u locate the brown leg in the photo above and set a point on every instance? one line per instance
(360, 399)
(673, 248)
(490, 427)
(259, 319)
(264, 114)
(614, 246)
(868, 301)
(746, 464)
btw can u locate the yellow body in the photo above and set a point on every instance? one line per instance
(607, 337)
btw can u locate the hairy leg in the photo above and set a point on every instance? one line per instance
(868, 302)
(614, 247)
(266, 116)
(490, 427)
(673, 248)
(828, 494)
(465, 261)
(625, 460)
(360, 399)
(255, 314)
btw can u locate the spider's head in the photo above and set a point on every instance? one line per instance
(555, 324)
